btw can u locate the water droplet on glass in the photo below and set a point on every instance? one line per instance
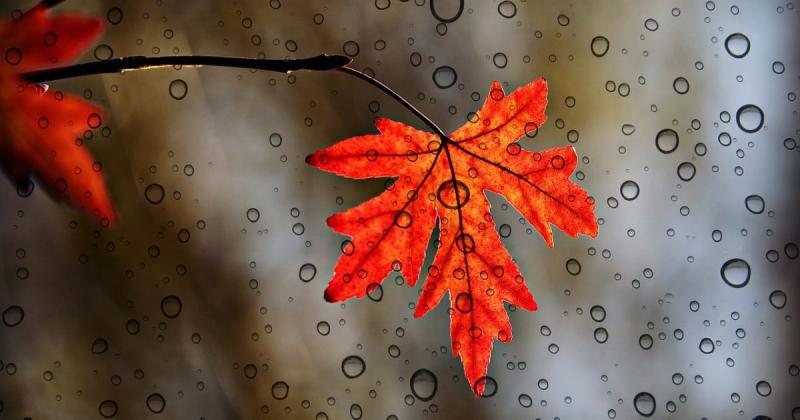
(507, 9)
(645, 404)
(706, 346)
(307, 272)
(178, 89)
(754, 203)
(599, 46)
(424, 384)
(155, 403)
(444, 77)
(737, 45)
(280, 390)
(353, 366)
(253, 214)
(736, 272)
(750, 118)
(154, 193)
(629, 190)
(667, 140)
(777, 299)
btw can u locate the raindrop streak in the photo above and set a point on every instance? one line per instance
(645, 404)
(599, 46)
(444, 77)
(736, 272)
(178, 89)
(737, 45)
(750, 118)
(424, 384)
(353, 366)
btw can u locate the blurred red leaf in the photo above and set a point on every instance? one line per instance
(443, 179)
(43, 131)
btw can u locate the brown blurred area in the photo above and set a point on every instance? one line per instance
(100, 305)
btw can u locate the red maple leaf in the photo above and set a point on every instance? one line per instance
(443, 178)
(43, 131)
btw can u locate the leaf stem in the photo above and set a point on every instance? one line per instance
(396, 96)
(118, 65)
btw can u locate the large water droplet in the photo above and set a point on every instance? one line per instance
(737, 45)
(444, 77)
(424, 384)
(645, 404)
(156, 403)
(750, 118)
(667, 140)
(736, 272)
(353, 366)
(599, 46)
(178, 89)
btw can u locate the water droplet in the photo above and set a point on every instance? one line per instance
(307, 272)
(736, 272)
(680, 85)
(754, 203)
(750, 118)
(507, 9)
(444, 77)
(500, 60)
(280, 390)
(600, 335)
(114, 15)
(667, 140)
(706, 346)
(154, 193)
(600, 46)
(629, 190)
(573, 266)
(686, 171)
(353, 366)
(737, 45)
(598, 313)
(777, 299)
(763, 388)
(155, 403)
(171, 306)
(645, 404)
(13, 316)
(178, 89)
(323, 328)
(646, 341)
(424, 384)
(107, 409)
(253, 214)
(651, 25)
(525, 400)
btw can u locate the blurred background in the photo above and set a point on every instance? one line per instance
(206, 301)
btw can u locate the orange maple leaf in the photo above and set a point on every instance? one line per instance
(43, 131)
(443, 178)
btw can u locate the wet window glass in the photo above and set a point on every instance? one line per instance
(204, 297)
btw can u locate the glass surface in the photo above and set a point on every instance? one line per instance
(208, 302)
